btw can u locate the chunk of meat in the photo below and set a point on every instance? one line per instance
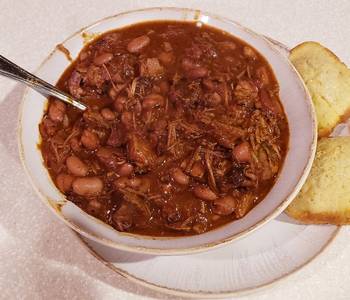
(122, 218)
(140, 152)
(90, 139)
(264, 165)
(110, 158)
(171, 212)
(194, 51)
(237, 176)
(226, 135)
(197, 170)
(244, 205)
(151, 68)
(138, 44)
(152, 100)
(267, 102)
(94, 119)
(115, 138)
(47, 128)
(96, 76)
(213, 99)
(193, 70)
(245, 90)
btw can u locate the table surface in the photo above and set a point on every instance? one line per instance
(40, 257)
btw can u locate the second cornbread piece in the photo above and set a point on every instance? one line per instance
(328, 81)
(325, 197)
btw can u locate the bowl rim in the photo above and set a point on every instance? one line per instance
(205, 246)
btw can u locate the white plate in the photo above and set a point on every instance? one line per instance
(261, 259)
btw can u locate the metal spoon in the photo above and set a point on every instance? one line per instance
(11, 70)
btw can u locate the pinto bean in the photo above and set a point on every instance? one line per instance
(179, 176)
(119, 103)
(89, 139)
(197, 72)
(242, 152)
(88, 186)
(76, 166)
(125, 169)
(103, 59)
(224, 206)
(137, 44)
(112, 93)
(57, 110)
(108, 114)
(152, 100)
(126, 119)
(135, 182)
(205, 193)
(197, 170)
(64, 182)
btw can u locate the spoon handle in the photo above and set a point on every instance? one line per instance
(13, 71)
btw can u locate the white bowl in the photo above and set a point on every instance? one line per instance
(294, 97)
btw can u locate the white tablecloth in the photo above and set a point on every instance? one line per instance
(40, 257)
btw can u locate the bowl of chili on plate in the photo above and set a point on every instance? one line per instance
(197, 132)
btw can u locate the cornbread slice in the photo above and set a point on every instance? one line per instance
(328, 81)
(325, 197)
